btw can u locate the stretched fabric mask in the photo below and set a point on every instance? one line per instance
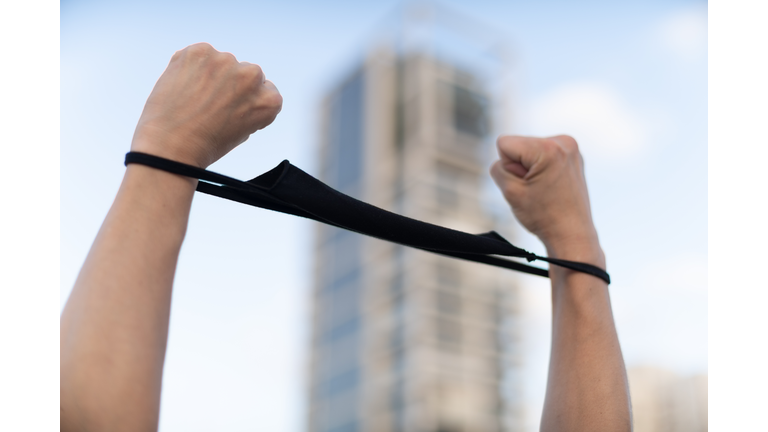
(288, 189)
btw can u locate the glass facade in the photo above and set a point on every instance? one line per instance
(346, 124)
(337, 348)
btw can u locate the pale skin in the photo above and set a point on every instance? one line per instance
(114, 327)
(543, 181)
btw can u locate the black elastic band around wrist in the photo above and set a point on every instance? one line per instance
(288, 189)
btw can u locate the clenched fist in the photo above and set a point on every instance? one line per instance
(543, 181)
(204, 105)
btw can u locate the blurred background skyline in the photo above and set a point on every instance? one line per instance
(627, 81)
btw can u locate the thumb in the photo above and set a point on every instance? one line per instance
(515, 168)
(506, 181)
(518, 154)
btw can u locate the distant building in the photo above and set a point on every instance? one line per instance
(663, 401)
(405, 340)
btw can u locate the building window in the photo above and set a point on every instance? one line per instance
(470, 112)
(397, 287)
(342, 382)
(448, 275)
(447, 196)
(397, 400)
(448, 302)
(448, 179)
(398, 360)
(448, 332)
(347, 427)
(346, 125)
(340, 306)
(346, 328)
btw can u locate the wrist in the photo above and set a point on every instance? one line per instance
(579, 294)
(161, 181)
(569, 287)
(170, 147)
(580, 249)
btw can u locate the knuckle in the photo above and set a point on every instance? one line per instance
(271, 105)
(276, 99)
(257, 73)
(227, 57)
(494, 169)
(550, 146)
(568, 143)
(251, 74)
(553, 151)
(200, 48)
(268, 105)
(506, 140)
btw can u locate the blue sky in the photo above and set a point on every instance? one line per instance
(628, 80)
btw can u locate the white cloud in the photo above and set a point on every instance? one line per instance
(593, 113)
(684, 33)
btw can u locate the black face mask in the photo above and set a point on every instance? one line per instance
(288, 189)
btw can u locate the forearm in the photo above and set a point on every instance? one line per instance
(587, 386)
(114, 327)
(115, 324)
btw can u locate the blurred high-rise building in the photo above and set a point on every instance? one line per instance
(663, 401)
(404, 340)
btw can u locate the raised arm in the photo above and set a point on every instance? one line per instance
(114, 326)
(543, 181)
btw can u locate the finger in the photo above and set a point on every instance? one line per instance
(569, 147)
(256, 70)
(508, 183)
(228, 55)
(515, 168)
(497, 174)
(254, 66)
(277, 98)
(567, 142)
(518, 154)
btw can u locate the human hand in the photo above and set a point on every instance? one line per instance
(543, 181)
(205, 104)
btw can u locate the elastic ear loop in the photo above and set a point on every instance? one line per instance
(258, 195)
